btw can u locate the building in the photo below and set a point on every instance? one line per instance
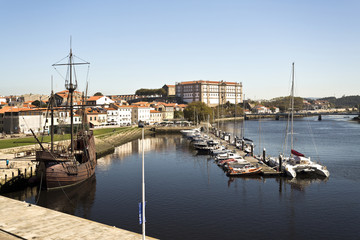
(103, 101)
(261, 109)
(167, 110)
(140, 113)
(112, 116)
(96, 117)
(170, 90)
(125, 113)
(155, 117)
(21, 120)
(62, 98)
(211, 93)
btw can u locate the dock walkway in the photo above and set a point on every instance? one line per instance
(266, 171)
(20, 220)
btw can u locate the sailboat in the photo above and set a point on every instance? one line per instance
(297, 162)
(63, 167)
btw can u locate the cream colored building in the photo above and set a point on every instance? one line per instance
(212, 93)
(155, 117)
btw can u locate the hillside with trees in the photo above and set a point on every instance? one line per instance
(283, 103)
(150, 92)
(344, 101)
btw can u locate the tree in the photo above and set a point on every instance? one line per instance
(178, 114)
(147, 92)
(98, 94)
(283, 103)
(198, 111)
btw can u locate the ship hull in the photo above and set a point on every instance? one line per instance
(59, 172)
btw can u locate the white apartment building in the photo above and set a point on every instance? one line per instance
(211, 93)
(125, 113)
(112, 116)
(140, 113)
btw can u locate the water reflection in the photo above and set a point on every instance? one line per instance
(76, 200)
(151, 144)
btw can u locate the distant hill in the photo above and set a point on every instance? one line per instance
(343, 102)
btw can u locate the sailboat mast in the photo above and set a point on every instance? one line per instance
(243, 126)
(292, 107)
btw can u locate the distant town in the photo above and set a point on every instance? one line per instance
(184, 101)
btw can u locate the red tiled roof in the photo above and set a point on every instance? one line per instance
(206, 82)
(94, 98)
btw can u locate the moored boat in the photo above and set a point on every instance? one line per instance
(243, 170)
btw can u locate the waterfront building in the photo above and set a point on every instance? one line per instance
(211, 93)
(167, 110)
(112, 116)
(125, 113)
(96, 117)
(261, 109)
(21, 120)
(140, 113)
(155, 117)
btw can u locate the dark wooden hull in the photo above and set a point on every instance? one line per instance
(58, 176)
(60, 172)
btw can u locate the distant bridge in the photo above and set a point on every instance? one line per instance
(300, 114)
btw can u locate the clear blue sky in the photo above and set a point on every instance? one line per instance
(149, 43)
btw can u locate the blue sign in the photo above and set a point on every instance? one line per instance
(140, 213)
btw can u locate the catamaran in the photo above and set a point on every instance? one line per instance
(297, 162)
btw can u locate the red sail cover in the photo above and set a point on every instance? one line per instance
(297, 153)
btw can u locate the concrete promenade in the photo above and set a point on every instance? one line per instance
(19, 220)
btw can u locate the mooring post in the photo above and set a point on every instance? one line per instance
(19, 172)
(280, 162)
(252, 149)
(242, 144)
(12, 173)
(25, 173)
(5, 177)
(264, 154)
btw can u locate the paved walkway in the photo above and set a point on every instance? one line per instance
(19, 220)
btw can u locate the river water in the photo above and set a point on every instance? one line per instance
(189, 197)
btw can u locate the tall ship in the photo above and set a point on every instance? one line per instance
(63, 166)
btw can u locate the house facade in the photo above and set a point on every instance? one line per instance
(140, 113)
(155, 117)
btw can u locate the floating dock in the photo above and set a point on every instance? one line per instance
(266, 171)
(21, 220)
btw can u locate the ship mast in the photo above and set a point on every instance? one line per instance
(71, 86)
